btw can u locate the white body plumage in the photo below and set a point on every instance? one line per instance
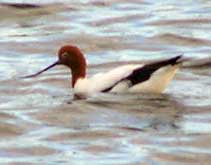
(157, 82)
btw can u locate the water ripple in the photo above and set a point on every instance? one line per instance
(42, 124)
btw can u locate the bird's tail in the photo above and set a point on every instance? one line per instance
(175, 60)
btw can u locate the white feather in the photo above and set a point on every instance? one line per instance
(155, 84)
(102, 81)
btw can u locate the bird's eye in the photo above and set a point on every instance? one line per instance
(65, 54)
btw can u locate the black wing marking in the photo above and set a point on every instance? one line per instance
(21, 5)
(144, 73)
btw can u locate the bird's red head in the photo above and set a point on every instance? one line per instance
(72, 57)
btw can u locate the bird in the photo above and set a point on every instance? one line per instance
(152, 77)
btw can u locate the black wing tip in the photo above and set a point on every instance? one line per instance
(178, 57)
(175, 60)
(20, 5)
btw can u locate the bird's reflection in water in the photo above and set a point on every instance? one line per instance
(137, 112)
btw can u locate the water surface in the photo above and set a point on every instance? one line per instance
(42, 124)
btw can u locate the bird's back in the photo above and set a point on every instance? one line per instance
(153, 77)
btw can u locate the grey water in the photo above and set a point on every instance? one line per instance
(40, 123)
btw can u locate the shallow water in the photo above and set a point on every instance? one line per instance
(41, 123)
